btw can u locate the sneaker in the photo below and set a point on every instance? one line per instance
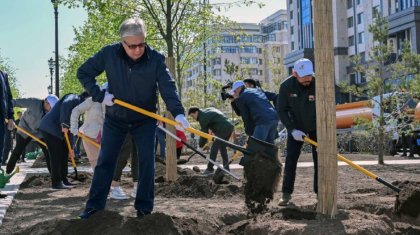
(117, 193)
(134, 193)
(87, 213)
(208, 172)
(285, 199)
(141, 214)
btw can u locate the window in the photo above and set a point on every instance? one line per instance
(229, 49)
(216, 61)
(248, 49)
(260, 61)
(259, 50)
(351, 41)
(349, 4)
(291, 15)
(292, 46)
(361, 38)
(350, 22)
(292, 30)
(217, 72)
(249, 60)
(352, 79)
(362, 77)
(272, 37)
(362, 56)
(360, 18)
(257, 38)
(229, 39)
(246, 38)
(358, 2)
(376, 11)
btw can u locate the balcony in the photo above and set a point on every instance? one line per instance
(404, 19)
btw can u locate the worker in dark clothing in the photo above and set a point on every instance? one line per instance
(216, 121)
(259, 116)
(135, 72)
(53, 126)
(296, 109)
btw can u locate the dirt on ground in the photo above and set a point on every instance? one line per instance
(364, 207)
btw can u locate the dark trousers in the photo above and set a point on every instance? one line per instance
(293, 152)
(161, 139)
(8, 144)
(21, 144)
(58, 153)
(2, 133)
(267, 132)
(407, 142)
(216, 146)
(128, 150)
(114, 133)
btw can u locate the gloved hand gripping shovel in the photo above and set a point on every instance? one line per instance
(357, 167)
(71, 152)
(198, 152)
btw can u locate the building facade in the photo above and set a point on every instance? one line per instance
(351, 19)
(257, 50)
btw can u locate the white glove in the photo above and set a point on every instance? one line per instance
(298, 135)
(74, 131)
(182, 122)
(108, 99)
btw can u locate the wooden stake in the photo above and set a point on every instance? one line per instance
(171, 166)
(325, 106)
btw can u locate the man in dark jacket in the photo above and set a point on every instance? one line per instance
(30, 121)
(53, 126)
(296, 109)
(6, 109)
(216, 121)
(134, 72)
(259, 116)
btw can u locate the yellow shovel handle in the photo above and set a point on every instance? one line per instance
(343, 159)
(66, 136)
(162, 119)
(30, 135)
(87, 139)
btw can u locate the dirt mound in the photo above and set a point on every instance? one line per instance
(300, 221)
(160, 172)
(262, 174)
(196, 186)
(36, 181)
(408, 201)
(107, 222)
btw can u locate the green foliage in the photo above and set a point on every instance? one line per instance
(11, 72)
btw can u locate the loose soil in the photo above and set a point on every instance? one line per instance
(364, 207)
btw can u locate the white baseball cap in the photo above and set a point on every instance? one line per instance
(52, 99)
(236, 85)
(304, 67)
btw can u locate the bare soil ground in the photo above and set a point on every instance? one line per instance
(195, 205)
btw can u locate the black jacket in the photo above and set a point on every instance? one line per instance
(6, 106)
(215, 120)
(135, 82)
(255, 109)
(296, 105)
(60, 113)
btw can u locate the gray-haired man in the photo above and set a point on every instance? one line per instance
(134, 72)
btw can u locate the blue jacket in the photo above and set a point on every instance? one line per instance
(60, 113)
(6, 106)
(135, 82)
(255, 109)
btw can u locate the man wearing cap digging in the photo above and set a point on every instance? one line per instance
(30, 121)
(259, 116)
(134, 72)
(296, 109)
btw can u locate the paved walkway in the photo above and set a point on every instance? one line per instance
(25, 169)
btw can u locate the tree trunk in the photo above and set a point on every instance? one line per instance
(325, 106)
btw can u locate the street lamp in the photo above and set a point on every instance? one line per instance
(57, 82)
(51, 63)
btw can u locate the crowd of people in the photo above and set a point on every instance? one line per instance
(136, 73)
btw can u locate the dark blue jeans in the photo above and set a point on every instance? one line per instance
(161, 138)
(266, 132)
(2, 133)
(293, 152)
(114, 133)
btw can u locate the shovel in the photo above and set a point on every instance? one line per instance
(357, 167)
(183, 161)
(198, 152)
(30, 135)
(71, 152)
(219, 175)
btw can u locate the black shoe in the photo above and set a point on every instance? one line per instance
(3, 195)
(141, 214)
(60, 187)
(68, 184)
(411, 156)
(404, 155)
(87, 213)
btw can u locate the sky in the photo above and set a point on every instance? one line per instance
(27, 35)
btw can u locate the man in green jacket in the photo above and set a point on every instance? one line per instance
(216, 121)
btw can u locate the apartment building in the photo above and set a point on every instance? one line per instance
(351, 19)
(257, 49)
